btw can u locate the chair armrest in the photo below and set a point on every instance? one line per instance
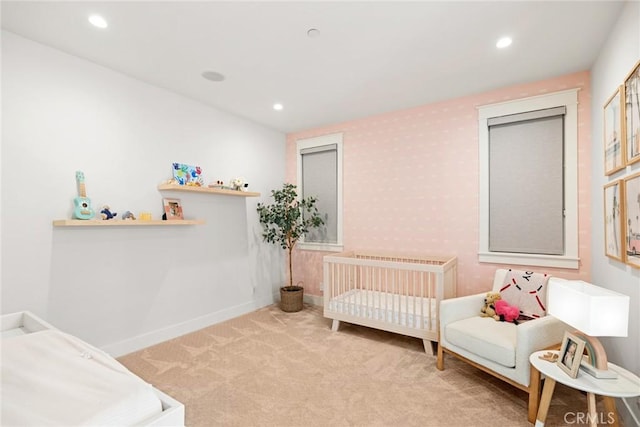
(454, 309)
(536, 335)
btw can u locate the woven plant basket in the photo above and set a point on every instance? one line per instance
(291, 298)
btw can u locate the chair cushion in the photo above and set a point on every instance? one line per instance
(485, 337)
(527, 291)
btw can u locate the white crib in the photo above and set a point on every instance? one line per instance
(395, 293)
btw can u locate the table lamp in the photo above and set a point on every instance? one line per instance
(595, 312)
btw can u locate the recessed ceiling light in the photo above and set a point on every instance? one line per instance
(277, 107)
(214, 76)
(313, 32)
(504, 42)
(98, 21)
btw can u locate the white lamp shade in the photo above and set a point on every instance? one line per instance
(593, 310)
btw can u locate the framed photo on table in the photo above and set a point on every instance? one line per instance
(631, 104)
(613, 224)
(172, 209)
(631, 219)
(571, 354)
(614, 152)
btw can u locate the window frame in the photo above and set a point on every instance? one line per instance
(319, 141)
(568, 99)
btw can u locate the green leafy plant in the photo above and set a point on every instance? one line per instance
(288, 219)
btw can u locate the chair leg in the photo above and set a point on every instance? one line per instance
(534, 395)
(440, 360)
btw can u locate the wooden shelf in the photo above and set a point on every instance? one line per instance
(121, 223)
(209, 190)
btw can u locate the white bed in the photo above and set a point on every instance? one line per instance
(53, 378)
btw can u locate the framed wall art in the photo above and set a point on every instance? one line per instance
(613, 225)
(631, 219)
(571, 354)
(187, 175)
(614, 152)
(631, 94)
(172, 209)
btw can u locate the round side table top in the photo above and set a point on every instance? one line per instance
(626, 385)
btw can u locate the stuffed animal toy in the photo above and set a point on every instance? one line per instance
(506, 312)
(106, 213)
(489, 309)
(238, 184)
(128, 215)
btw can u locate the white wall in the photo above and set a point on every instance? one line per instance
(124, 288)
(617, 58)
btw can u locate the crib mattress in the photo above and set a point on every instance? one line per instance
(53, 378)
(408, 311)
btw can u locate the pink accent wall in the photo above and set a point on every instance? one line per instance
(411, 183)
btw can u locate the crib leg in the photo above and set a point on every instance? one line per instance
(335, 325)
(432, 344)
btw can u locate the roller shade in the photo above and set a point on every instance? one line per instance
(526, 206)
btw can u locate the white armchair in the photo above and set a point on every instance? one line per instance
(501, 349)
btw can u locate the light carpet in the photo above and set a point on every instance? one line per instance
(270, 368)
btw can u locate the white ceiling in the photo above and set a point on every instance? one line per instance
(370, 57)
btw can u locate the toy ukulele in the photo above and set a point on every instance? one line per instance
(82, 204)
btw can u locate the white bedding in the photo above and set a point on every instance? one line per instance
(52, 378)
(388, 307)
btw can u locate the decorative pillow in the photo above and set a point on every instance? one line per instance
(527, 291)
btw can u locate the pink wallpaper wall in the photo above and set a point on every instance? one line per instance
(411, 183)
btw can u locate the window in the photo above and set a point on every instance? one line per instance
(529, 181)
(320, 176)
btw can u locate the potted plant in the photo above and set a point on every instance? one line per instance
(284, 222)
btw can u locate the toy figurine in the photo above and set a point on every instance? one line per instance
(238, 184)
(128, 215)
(106, 213)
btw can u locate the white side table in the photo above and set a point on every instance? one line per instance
(626, 385)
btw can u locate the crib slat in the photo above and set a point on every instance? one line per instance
(422, 298)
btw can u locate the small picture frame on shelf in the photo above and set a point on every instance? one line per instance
(172, 209)
(185, 174)
(571, 354)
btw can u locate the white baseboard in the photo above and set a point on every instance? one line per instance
(314, 300)
(160, 335)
